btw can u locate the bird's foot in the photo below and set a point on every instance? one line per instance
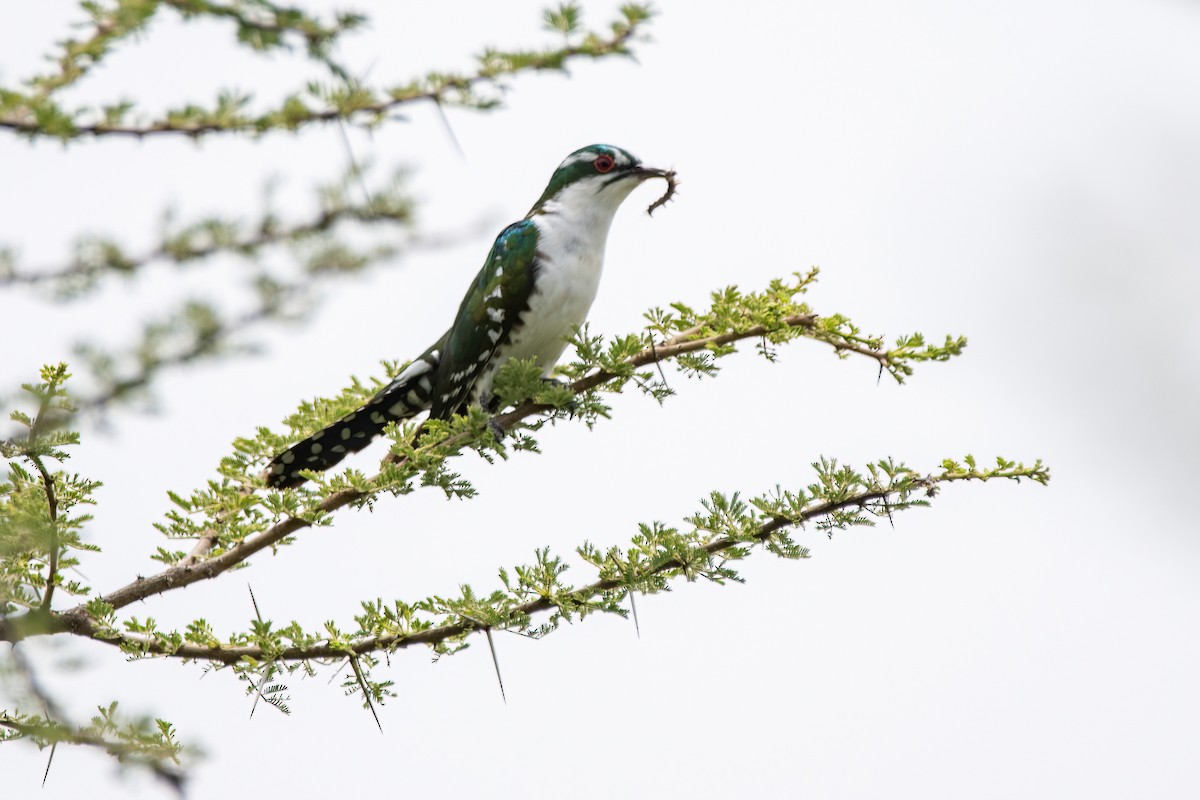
(573, 405)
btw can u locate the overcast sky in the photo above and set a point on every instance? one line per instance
(1026, 174)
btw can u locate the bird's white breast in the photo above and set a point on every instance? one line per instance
(572, 232)
(571, 259)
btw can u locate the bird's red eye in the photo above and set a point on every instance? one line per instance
(604, 163)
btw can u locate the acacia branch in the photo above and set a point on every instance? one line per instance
(180, 250)
(59, 733)
(463, 625)
(358, 104)
(34, 686)
(79, 56)
(78, 620)
(110, 25)
(203, 344)
(195, 567)
(53, 728)
(197, 331)
(278, 21)
(39, 420)
(52, 504)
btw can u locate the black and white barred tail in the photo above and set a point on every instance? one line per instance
(406, 396)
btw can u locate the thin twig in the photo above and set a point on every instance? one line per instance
(51, 500)
(53, 711)
(264, 237)
(50, 709)
(52, 503)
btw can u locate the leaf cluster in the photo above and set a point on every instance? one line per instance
(139, 741)
(34, 110)
(331, 244)
(694, 341)
(727, 528)
(40, 537)
(39, 526)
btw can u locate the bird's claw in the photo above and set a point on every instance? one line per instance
(573, 405)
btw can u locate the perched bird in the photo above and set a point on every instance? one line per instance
(538, 281)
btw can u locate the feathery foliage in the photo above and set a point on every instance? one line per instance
(233, 517)
(34, 108)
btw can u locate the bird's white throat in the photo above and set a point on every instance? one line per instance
(572, 233)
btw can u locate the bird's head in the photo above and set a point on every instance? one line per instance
(594, 179)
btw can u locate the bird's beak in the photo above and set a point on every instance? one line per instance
(642, 172)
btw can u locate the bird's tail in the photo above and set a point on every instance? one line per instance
(406, 396)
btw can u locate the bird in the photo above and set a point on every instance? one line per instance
(537, 283)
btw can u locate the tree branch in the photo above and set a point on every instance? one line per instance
(78, 620)
(35, 429)
(195, 567)
(82, 625)
(52, 503)
(183, 248)
(38, 116)
(733, 317)
(59, 733)
(53, 728)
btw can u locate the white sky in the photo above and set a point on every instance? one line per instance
(1022, 173)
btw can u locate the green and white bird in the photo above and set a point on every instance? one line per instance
(538, 281)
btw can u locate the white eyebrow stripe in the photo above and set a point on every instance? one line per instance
(584, 156)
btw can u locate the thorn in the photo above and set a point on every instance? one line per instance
(257, 690)
(254, 603)
(49, 761)
(362, 684)
(258, 695)
(367, 72)
(496, 663)
(355, 82)
(362, 184)
(658, 364)
(633, 605)
(879, 377)
(449, 129)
